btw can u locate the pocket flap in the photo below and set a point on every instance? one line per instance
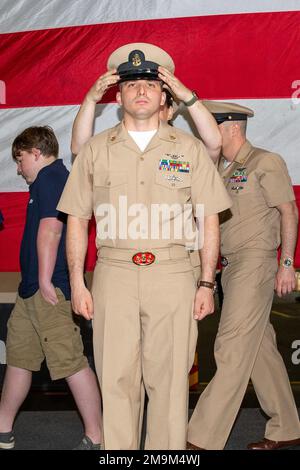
(173, 180)
(110, 179)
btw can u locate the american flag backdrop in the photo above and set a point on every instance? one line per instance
(51, 52)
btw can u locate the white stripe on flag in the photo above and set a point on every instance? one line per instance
(26, 15)
(275, 127)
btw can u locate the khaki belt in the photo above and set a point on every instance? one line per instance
(143, 258)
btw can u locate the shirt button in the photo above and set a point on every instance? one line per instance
(142, 159)
(142, 182)
(108, 183)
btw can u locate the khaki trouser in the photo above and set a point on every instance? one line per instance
(38, 330)
(144, 336)
(245, 348)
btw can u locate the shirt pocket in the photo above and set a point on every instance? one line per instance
(109, 186)
(249, 198)
(172, 187)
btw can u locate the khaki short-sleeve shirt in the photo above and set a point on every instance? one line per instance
(257, 181)
(112, 177)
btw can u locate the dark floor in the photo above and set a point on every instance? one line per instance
(60, 430)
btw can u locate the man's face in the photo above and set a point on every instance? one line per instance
(28, 165)
(141, 98)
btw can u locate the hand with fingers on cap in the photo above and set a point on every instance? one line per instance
(177, 88)
(102, 84)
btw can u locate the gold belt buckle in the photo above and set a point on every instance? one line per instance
(143, 258)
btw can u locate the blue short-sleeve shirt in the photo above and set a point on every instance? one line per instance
(45, 193)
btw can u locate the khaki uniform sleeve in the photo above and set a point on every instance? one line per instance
(207, 186)
(275, 180)
(77, 196)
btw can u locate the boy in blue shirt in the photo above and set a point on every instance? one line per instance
(41, 325)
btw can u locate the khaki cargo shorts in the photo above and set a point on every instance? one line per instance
(39, 330)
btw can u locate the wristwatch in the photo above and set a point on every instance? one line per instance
(209, 285)
(287, 262)
(192, 100)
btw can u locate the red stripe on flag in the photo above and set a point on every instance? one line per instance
(297, 253)
(13, 207)
(228, 56)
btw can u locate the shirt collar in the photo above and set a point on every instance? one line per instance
(165, 132)
(244, 153)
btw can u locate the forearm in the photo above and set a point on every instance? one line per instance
(210, 250)
(77, 241)
(83, 124)
(47, 246)
(207, 128)
(289, 229)
(203, 119)
(285, 277)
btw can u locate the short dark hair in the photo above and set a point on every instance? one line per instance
(39, 137)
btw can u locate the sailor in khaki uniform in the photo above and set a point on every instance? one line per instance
(143, 294)
(263, 215)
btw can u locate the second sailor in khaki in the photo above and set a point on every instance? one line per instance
(263, 215)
